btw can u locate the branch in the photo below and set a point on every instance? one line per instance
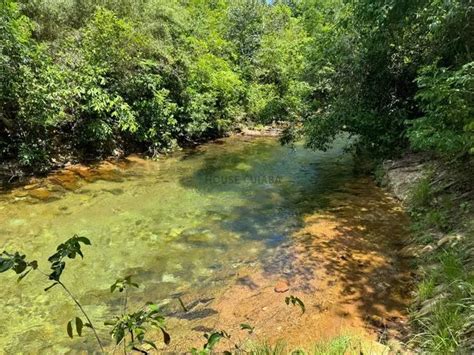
(84, 313)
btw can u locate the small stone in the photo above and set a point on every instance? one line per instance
(169, 278)
(17, 222)
(40, 194)
(66, 179)
(281, 286)
(344, 256)
(21, 194)
(174, 232)
(395, 346)
(30, 187)
(82, 171)
(409, 251)
(427, 249)
(449, 239)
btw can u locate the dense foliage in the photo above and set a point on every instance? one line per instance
(393, 73)
(81, 79)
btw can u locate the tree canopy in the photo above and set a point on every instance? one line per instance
(81, 78)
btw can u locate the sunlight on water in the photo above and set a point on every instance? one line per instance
(179, 224)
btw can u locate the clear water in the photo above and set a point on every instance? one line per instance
(176, 225)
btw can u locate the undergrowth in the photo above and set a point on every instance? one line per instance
(443, 314)
(343, 344)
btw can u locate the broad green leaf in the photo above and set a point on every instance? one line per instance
(84, 240)
(152, 344)
(214, 338)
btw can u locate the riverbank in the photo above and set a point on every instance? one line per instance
(439, 198)
(13, 174)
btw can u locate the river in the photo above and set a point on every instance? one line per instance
(218, 226)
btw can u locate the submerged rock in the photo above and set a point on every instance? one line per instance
(67, 180)
(174, 232)
(281, 286)
(40, 194)
(169, 278)
(31, 186)
(82, 171)
(115, 192)
(197, 236)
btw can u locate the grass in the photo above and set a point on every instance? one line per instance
(442, 329)
(451, 266)
(426, 289)
(341, 345)
(445, 293)
(336, 346)
(279, 348)
(421, 194)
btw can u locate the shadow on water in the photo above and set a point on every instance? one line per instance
(277, 185)
(352, 246)
(321, 225)
(186, 225)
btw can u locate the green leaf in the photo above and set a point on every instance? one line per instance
(79, 326)
(5, 265)
(69, 329)
(151, 344)
(214, 338)
(20, 264)
(248, 327)
(119, 334)
(84, 240)
(153, 307)
(22, 276)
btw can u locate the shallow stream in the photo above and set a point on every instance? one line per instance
(182, 225)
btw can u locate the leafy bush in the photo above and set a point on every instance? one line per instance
(447, 99)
